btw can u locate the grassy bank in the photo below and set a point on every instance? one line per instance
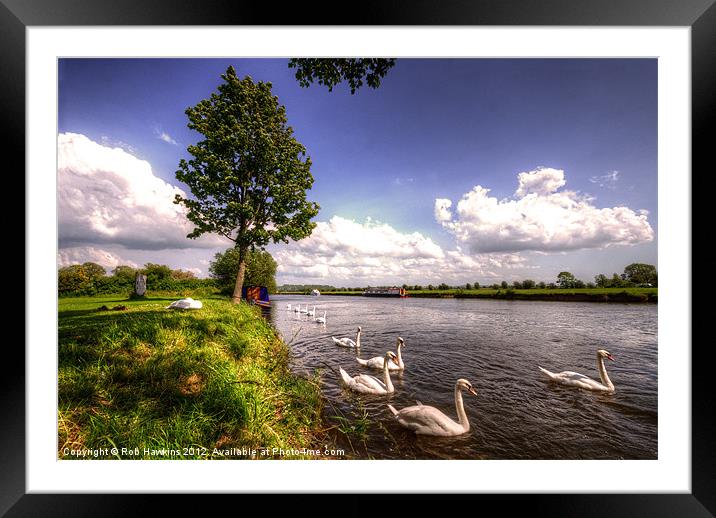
(574, 295)
(202, 383)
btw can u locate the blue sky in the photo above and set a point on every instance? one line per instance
(434, 130)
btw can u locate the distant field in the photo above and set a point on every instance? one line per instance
(197, 382)
(582, 294)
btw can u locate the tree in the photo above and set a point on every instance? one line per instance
(601, 281)
(260, 269)
(504, 285)
(566, 280)
(124, 272)
(468, 286)
(517, 285)
(182, 274)
(528, 284)
(333, 71)
(443, 286)
(476, 285)
(541, 285)
(93, 270)
(640, 273)
(249, 176)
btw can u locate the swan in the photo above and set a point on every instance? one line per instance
(304, 310)
(575, 379)
(377, 362)
(321, 320)
(428, 420)
(187, 303)
(347, 342)
(297, 308)
(288, 307)
(368, 384)
(311, 313)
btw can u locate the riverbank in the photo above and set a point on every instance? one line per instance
(571, 295)
(162, 384)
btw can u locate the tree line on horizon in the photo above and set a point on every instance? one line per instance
(634, 275)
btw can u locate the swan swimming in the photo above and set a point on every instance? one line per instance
(311, 313)
(347, 342)
(187, 303)
(304, 310)
(377, 362)
(321, 320)
(367, 384)
(575, 379)
(428, 420)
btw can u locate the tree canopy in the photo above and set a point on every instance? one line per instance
(249, 175)
(332, 71)
(260, 269)
(640, 273)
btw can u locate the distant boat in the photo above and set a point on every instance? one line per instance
(315, 293)
(393, 291)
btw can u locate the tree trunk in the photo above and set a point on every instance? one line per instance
(236, 297)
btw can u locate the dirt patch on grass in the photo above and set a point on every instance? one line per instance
(191, 385)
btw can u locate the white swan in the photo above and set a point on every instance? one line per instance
(297, 308)
(311, 313)
(428, 420)
(187, 303)
(575, 379)
(377, 362)
(304, 310)
(321, 320)
(288, 307)
(368, 384)
(347, 342)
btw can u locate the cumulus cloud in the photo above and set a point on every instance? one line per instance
(608, 180)
(541, 181)
(540, 218)
(79, 255)
(342, 250)
(108, 196)
(442, 210)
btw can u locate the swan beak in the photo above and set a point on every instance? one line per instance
(610, 357)
(472, 391)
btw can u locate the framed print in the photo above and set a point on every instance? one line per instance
(477, 152)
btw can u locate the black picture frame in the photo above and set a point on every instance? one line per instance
(700, 15)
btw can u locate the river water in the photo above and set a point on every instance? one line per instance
(497, 345)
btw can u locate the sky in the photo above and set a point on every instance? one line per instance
(453, 170)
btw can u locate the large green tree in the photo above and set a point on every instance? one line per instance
(566, 280)
(249, 175)
(332, 71)
(640, 273)
(260, 269)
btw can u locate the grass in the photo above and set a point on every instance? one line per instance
(146, 379)
(577, 294)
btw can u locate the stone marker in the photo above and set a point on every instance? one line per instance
(140, 284)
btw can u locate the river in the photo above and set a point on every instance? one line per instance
(497, 345)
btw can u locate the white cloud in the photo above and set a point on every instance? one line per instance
(108, 196)
(163, 135)
(79, 255)
(542, 181)
(345, 252)
(608, 180)
(541, 218)
(398, 180)
(442, 210)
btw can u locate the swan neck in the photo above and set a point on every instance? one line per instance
(460, 408)
(358, 339)
(400, 355)
(386, 376)
(603, 373)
